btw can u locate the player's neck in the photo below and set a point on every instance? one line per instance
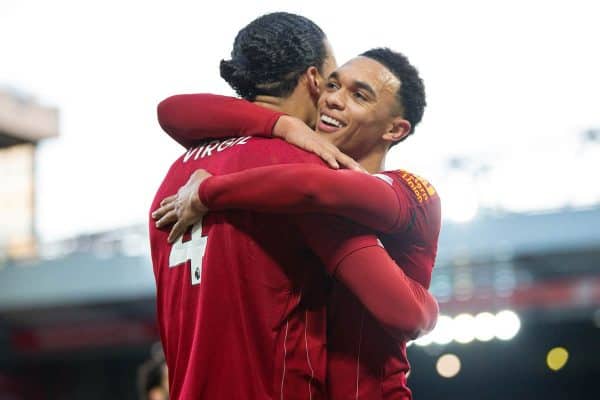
(286, 106)
(374, 161)
(298, 104)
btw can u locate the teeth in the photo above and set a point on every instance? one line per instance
(330, 120)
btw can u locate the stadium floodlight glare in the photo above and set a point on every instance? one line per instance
(464, 328)
(424, 340)
(485, 326)
(448, 365)
(460, 200)
(460, 210)
(443, 333)
(507, 324)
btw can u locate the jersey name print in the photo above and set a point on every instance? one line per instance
(207, 149)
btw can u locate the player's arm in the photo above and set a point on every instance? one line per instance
(302, 188)
(191, 118)
(353, 256)
(404, 307)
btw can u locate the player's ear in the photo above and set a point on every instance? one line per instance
(313, 77)
(398, 129)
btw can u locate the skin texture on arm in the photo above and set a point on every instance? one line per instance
(302, 188)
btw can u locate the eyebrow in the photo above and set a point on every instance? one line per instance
(365, 86)
(358, 84)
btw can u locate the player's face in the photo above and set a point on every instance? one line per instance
(329, 65)
(358, 106)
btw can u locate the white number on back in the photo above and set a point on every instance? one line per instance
(192, 250)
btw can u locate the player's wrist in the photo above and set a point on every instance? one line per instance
(283, 126)
(196, 203)
(286, 125)
(202, 196)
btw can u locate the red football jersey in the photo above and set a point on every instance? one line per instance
(239, 299)
(365, 360)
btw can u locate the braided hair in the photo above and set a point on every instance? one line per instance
(271, 53)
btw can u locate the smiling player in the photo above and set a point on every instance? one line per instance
(241, 297)
(370, 103)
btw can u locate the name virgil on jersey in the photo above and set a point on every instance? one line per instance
(206, 149)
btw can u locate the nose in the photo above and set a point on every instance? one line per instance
(334, 100)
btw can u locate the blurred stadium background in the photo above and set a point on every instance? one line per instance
(519, 294)
(511, 140)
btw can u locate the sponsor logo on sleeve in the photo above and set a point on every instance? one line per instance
(421, 187)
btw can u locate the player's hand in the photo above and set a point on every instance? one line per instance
(296, 132)
(183, 209)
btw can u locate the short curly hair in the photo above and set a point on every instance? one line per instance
(271, 53)
(411, 95)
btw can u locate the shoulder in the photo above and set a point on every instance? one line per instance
(426, 210)
(418, 187)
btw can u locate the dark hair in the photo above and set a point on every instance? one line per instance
(150, 376)
(411, 96)
(271, 53)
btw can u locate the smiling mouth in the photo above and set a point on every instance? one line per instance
(330, 121)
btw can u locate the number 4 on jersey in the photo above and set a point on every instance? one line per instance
(192, 250)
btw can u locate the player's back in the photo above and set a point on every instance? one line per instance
(364, 361)
(233, 321)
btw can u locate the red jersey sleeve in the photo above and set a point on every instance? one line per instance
(358, 260)
(301, 188)
(190, 118)
(403, 306)
(422, 228)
